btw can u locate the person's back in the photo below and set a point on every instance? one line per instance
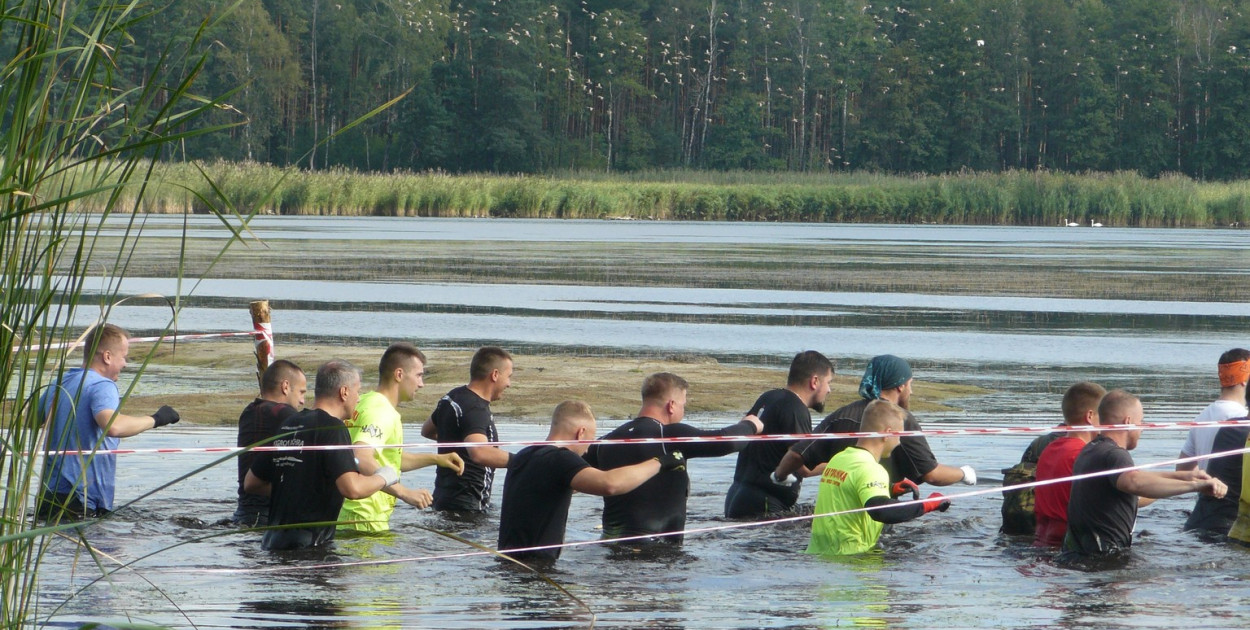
(258, 422)
(1100, 516)
(1218, 515)
(1051, 500)
(1019, 504)
(1234, 374)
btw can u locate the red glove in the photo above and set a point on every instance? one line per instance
(936, 502)
(903, 487)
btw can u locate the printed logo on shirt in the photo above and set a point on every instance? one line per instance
(833, 476)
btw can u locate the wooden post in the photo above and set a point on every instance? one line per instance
(264, 336)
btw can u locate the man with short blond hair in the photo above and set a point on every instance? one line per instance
(82, 409)
(464, 415)
(658, 506)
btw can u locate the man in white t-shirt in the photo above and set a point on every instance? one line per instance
(1234, 373)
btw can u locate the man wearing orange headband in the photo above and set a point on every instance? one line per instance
(1234, 373)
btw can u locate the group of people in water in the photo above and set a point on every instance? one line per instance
(341, 459)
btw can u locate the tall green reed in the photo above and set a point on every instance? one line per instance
(77, 145)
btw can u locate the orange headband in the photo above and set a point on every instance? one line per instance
(1235, 373)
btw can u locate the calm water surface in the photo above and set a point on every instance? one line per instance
(945, 570)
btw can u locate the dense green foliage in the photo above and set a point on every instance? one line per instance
(1008, 198)
(1151, 86)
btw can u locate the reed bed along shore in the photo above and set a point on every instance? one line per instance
(1008, 198)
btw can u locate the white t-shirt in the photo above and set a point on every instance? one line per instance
(1201, 439)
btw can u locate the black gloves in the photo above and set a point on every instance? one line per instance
(165, 415)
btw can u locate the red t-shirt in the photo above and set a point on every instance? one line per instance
(1050, 502)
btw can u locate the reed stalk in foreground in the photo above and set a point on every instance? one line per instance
(76, 133)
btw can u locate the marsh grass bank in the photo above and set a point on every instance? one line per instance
(1007, 198)
(225, 384)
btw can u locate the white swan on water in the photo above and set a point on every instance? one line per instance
(1068, 223)
(1093, 223)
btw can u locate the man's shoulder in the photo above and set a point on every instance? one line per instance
(373, 407)
(1222, 410)
(853, 410)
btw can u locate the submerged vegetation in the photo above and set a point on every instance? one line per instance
(1009, 198)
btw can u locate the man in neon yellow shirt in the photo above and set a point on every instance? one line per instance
(375, 426)
(855, 479)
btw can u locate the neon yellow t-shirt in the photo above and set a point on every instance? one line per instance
(375, 422)
(850, 479)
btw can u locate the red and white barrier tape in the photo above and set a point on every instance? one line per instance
(186, 337)
(683, 440)
(715, 528)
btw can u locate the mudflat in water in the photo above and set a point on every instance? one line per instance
(1023, 312)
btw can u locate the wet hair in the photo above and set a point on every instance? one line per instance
(101, 338)
(334, 375)
(880, 415)
(569, 415)
(807, 364)
(1234, 355)
(1115, 405)
(657, 387)
(278, 371)
(1079, 398)
(487, 360)
(396, 356)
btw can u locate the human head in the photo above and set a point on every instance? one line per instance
(812, 372)
(106, 350)
(881, 416)
(573, 420)
(1121, 407)
(283, 381)
(1080, 404)
(1234, 368)
(884, 373)
(337, 388)
(665, 394)
(404, 365)
(492, 369)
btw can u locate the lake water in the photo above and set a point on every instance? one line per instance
(1025, 342)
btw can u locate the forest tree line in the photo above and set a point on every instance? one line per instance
(516, 86)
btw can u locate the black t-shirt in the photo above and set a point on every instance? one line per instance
(1100, 516)
(459, 414)
(782, 412)
(912, 458)
(304, 489)
(536, 496)
(1214, 514)
(259, 421)
(659, 504)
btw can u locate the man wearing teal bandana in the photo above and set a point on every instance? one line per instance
(887, 377)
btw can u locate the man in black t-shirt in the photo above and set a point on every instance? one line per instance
(463, 415)
(887, 377)
(283, 387)
(1103, 509)
(658, 506)
(308, 486)
(755, 492)
(1210, 514)
(541, 481)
